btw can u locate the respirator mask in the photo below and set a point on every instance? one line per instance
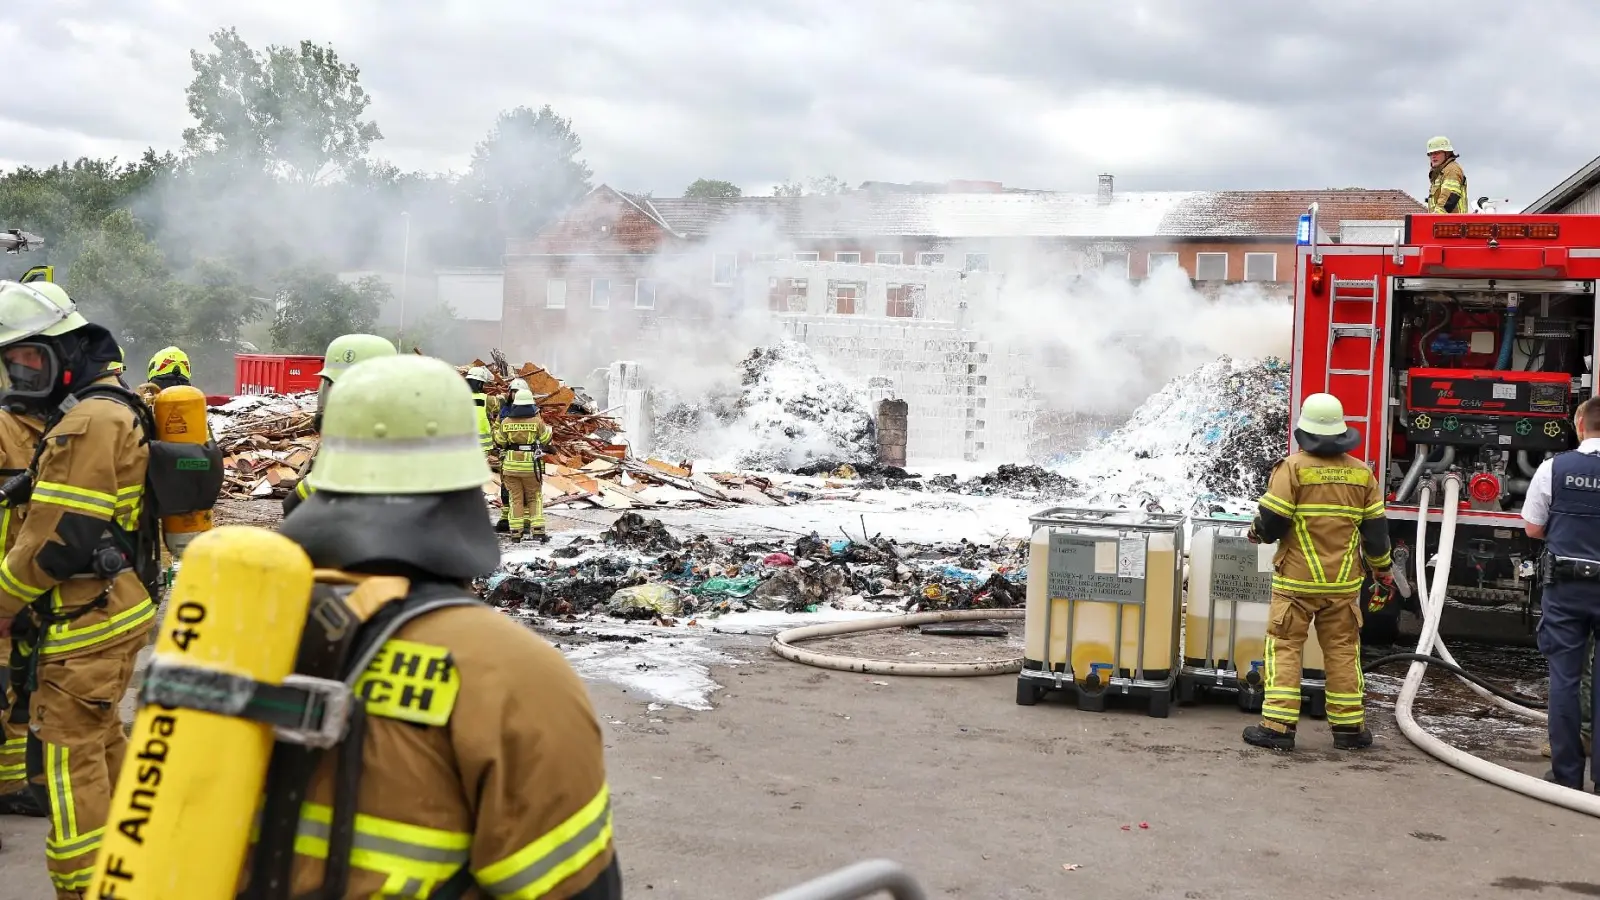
(29, 375)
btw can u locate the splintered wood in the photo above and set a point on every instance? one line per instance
(268, 443)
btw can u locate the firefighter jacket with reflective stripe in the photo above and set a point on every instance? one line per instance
(1446, 180)
(19, 436)
(1572, 529)
(87, 494)
(481, 751)
(518, 437)
(487, 408)
(1324, 512)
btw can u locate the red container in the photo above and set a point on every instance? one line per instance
(266, 373)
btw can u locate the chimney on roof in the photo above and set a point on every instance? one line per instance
(1103, 195)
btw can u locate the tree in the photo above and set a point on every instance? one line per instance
(707, 189)
(523, 175)
(215, 305)
(121, 280)
(816, 187)
(314, 307)
(297, 112)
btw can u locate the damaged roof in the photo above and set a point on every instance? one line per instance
(1169, 214)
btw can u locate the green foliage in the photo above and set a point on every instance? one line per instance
(816, 187)
(314, 307)
(121, 280)
(294, 111)
(707, 189)
(522, 176)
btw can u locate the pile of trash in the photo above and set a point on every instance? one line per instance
(1011, 481)
(785, 413)
(638, 570)
(267, 441)
(1208, 440)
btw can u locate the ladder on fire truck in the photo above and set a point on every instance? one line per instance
(1347, 326)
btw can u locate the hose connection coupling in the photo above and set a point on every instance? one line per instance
(1253, 677)
(1093, 681)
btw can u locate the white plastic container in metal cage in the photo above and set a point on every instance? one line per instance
(1104, 593)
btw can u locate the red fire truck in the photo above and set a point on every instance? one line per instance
(1464, 344)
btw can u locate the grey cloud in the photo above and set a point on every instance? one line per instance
(1339, 94)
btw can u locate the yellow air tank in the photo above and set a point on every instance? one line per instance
(1102, 607)
(183, 808)
(180, 414)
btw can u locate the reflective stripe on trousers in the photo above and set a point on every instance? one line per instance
(1339, 631)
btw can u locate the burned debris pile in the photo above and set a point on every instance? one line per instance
(637, 569)
(267, 441)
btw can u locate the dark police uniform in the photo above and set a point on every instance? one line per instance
(1571, 604)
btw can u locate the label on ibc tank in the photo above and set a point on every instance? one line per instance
(1072, 573)
(1236, 572)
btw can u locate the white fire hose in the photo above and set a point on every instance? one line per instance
(782, 645)
(1432, 610)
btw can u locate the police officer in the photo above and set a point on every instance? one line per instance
(69, 591)
(492, 786)
(1563, 510)
(343, 352)
(1447, 182)
(488, 406)
(18, 437)
(1334, 505)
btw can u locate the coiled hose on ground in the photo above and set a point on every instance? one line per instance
(1432, 609)
(783, 645)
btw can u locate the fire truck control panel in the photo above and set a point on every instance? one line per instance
(1464, 345)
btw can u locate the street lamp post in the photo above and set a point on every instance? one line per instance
(405, 279)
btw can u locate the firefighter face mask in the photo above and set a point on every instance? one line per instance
(31, 371)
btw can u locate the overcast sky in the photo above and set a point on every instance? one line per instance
(1165, 94)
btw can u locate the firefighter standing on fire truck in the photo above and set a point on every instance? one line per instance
(499, 785)
(1447, 183)
(19, 435)
(1324, 507)
(69, 592)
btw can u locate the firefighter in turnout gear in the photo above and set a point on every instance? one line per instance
(71, 593)
(168, 368)
(342, 353)
(478, 378)
(18, 437)
(1325, 509)
(1447, 183)
(464, 778)
(522, 437)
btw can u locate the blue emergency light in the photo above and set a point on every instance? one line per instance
(1302, 235)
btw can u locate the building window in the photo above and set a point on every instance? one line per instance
(786, 295)
(904, 300)
(851, 258)
(644, 294)
(977, 262)
(889, 259)
(1261, 267)
(599, 294)
(555, 294)
(844, 297)
(807, 256)
(724, 266)
(930, 259)
(1159, 261)
(1114, 263)
(1211, 267)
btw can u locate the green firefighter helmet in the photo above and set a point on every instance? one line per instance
(402, 424)
(40, 308)
(169, 361)
(346, 350)
(1322, 414)
(1440, 144)
(524, 397)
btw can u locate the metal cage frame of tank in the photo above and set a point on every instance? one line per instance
(1123, 521)
(1313, 690)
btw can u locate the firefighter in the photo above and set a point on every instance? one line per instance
(18, 437)
(469, 778)
(168, 368)
(478, 378)
(1323, 506)
(71, 594)
(1562, 509)
(1447, 183)
(522, 437)
(343, 352)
